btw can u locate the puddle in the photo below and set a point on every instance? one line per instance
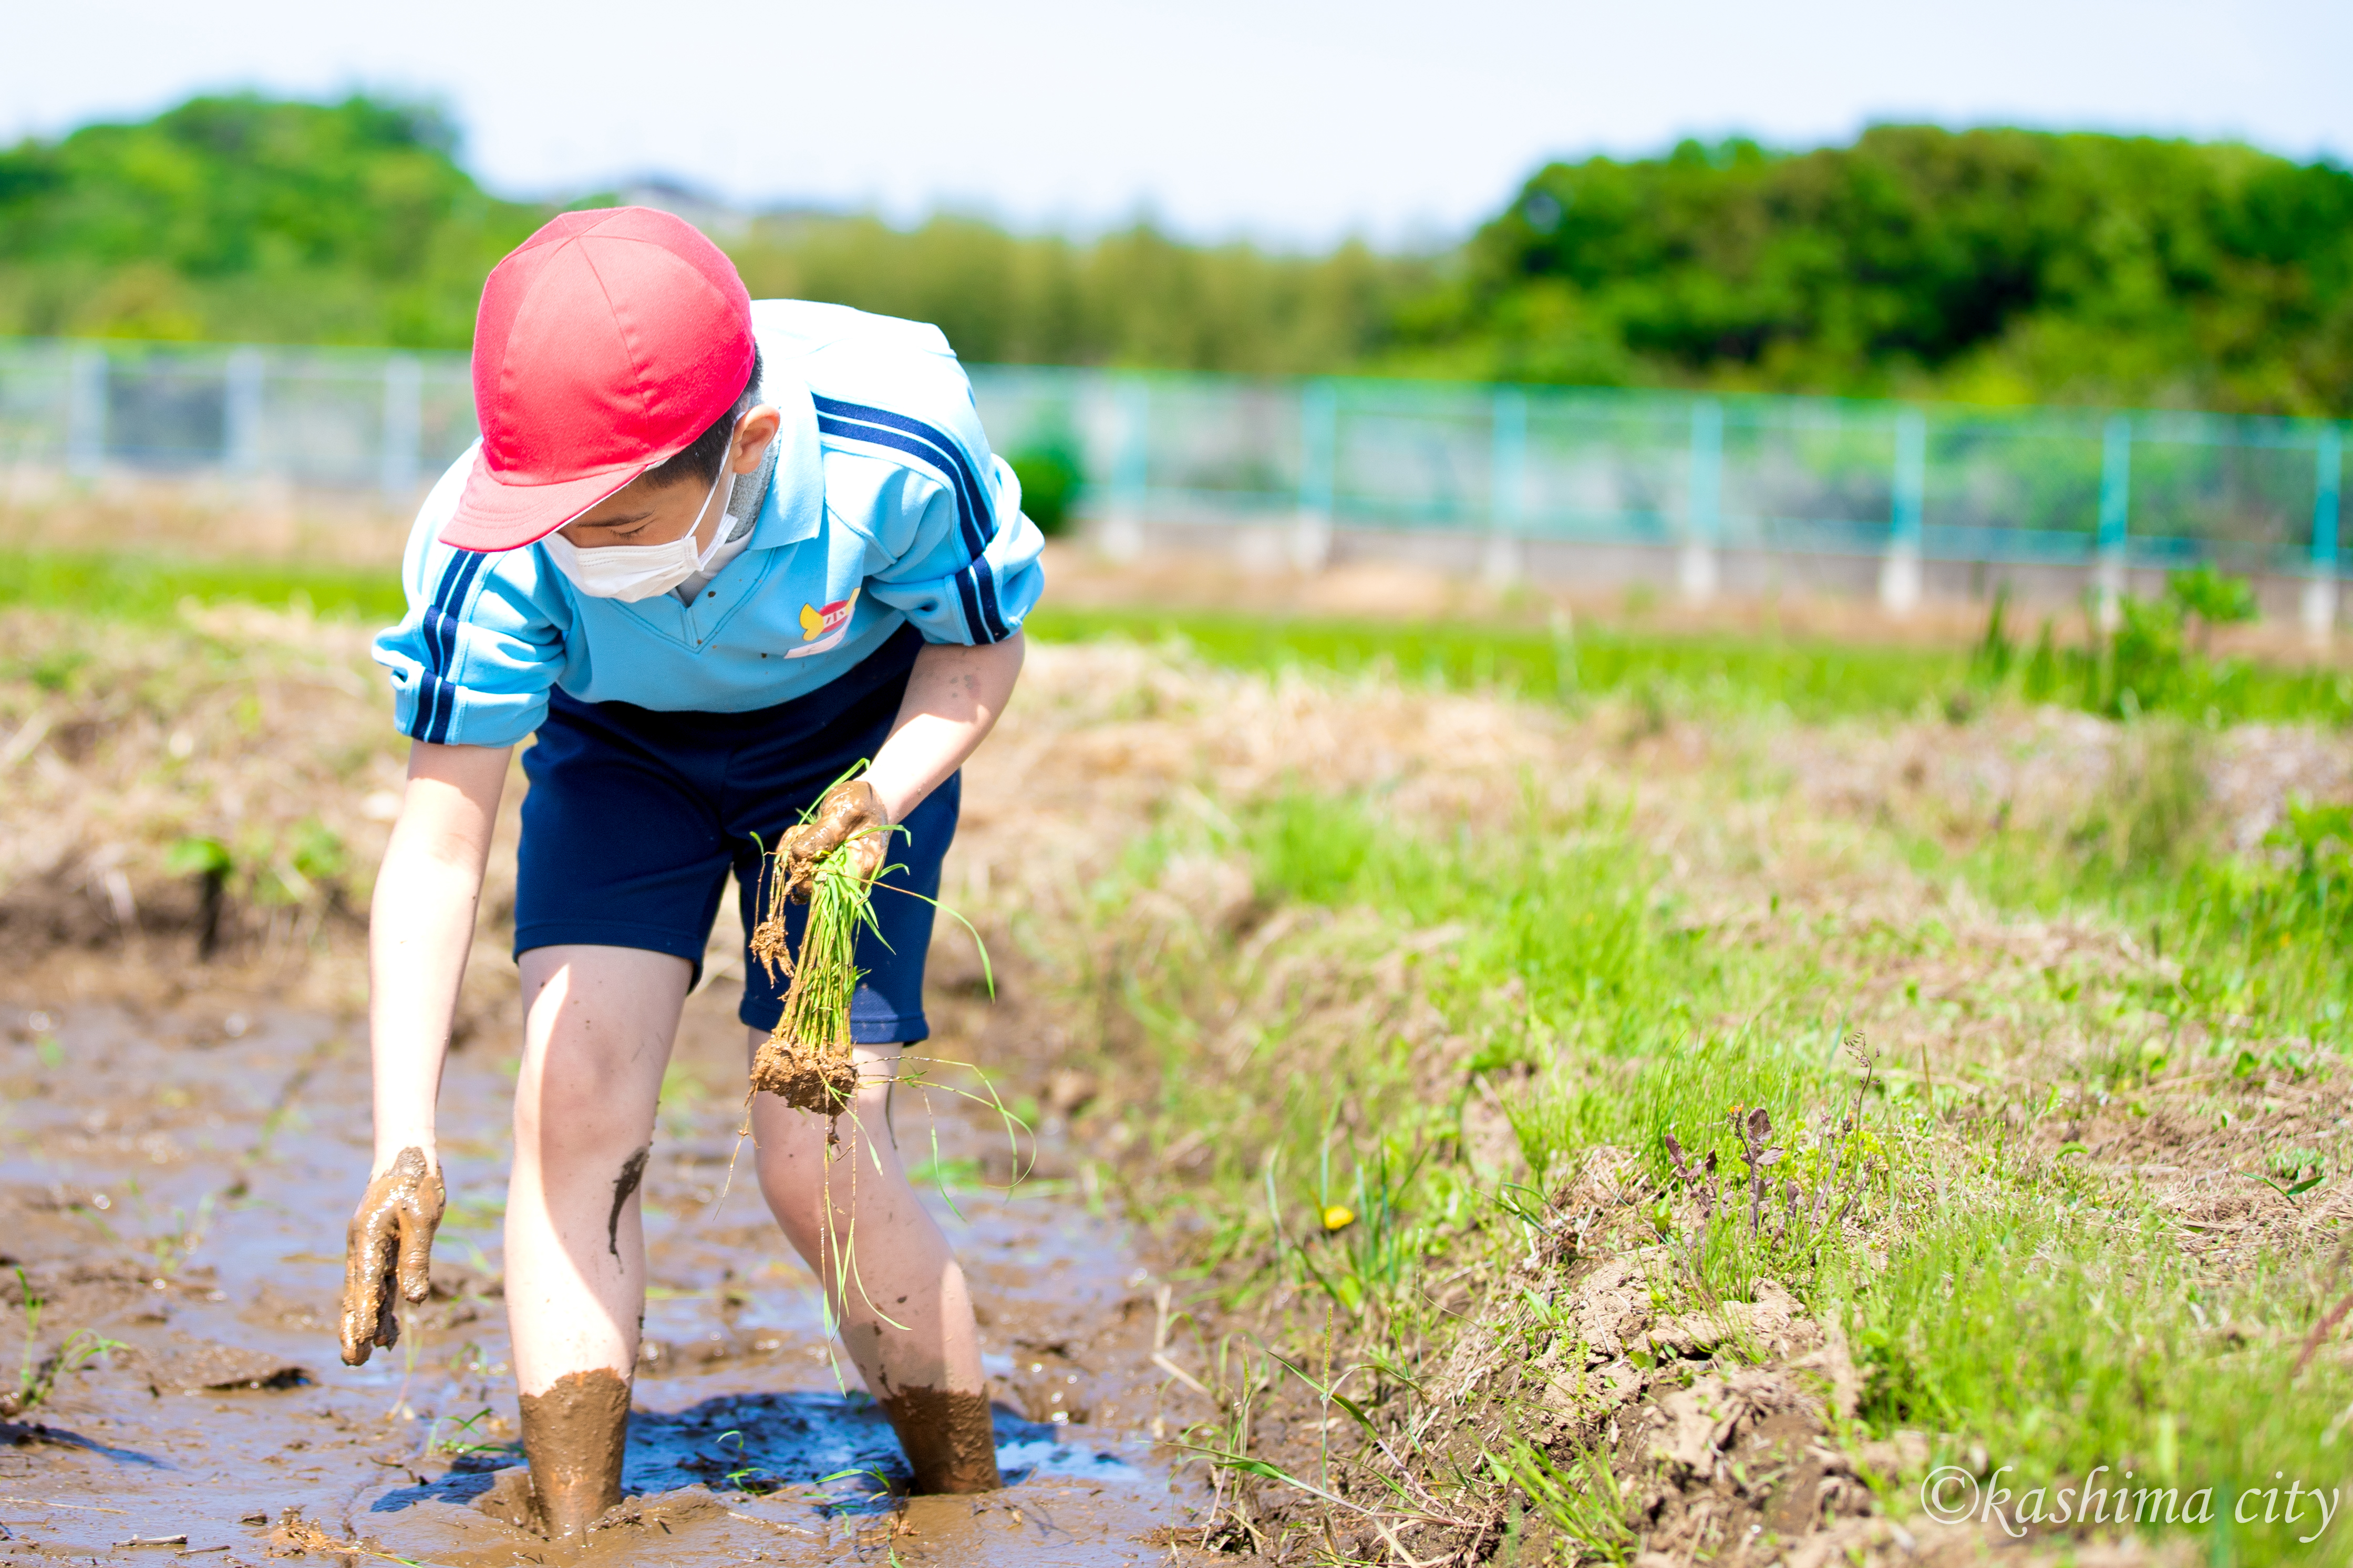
(181, 1188)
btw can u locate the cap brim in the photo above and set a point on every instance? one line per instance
(494, 515)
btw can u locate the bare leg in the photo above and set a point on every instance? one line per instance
(597, 1036)
(894, 1287)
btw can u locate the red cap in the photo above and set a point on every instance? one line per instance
(605, 343)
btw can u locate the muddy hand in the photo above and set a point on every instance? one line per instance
(850, 812)
(388, 1248)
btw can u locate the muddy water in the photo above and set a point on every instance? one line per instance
(180, 1183)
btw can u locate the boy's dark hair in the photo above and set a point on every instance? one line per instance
(701, 458)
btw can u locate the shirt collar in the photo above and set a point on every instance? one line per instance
(793, 509)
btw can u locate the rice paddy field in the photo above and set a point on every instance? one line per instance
(1534, 1088)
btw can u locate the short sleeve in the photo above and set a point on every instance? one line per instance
(965, 567)
(482, 643)
(949, 548)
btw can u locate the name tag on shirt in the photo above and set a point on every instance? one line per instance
(823, 627)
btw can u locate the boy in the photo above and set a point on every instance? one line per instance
(714, 555)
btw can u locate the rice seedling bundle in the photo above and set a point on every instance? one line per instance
(806, 1060)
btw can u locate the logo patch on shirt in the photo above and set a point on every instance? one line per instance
(823, 627)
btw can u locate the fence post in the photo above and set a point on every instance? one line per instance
(1899, 574)
(2320, 583)
(1505, 562)
(2115, 518)
(1123, 530)
(86, 412)
(241, 421)
(1696, 570)
(404, 425)
(1319, 458)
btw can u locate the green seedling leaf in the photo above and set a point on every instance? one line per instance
(199, 858)
(1332, 1394)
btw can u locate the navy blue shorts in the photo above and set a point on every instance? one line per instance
(636, 818)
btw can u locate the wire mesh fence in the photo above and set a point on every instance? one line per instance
(1786, 474)
(346, 418)
(2028, 485)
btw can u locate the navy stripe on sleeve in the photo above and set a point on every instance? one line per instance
(437, 698)
(944, 458)
(881, 427)
(970, 599)
(951, 460)
(919, 439)
(978, 590)
(984, 588)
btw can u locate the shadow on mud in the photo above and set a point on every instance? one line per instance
(834, 1451)
(25, 1434)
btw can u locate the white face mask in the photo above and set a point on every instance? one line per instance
(634, 572)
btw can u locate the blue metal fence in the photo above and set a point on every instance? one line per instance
(2026, 485)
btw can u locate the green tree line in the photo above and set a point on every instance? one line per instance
(1985, 265)
(247, 219)
(1989, 265)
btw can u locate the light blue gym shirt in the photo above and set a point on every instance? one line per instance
(886, 506)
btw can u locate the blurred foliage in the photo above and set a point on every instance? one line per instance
(2208, 598)
(247, 218)
(2153, 656)
(2145, 665)
(151, 585)
(1990, 265)
(2143, 669)
(1131, 297)
(1051, 474)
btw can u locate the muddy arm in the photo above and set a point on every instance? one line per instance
(954, 695)
(420, 928)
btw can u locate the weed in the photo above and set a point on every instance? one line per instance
(2144, 819)
(1991, 659)
(2208, 598)
(463, 1439)
(36, 1375)
(2158, 658)
(2292, 1173)
(1581, 1499)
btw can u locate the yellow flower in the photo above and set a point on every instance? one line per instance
(1338, 1219)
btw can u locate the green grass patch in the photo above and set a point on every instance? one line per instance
(124, 585)
(1811, 680)
(2063, 1334)
(2261, 942)
(2156, 660)
(2004, 1302)
(1541, 944)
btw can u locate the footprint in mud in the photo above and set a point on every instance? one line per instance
(817, 1468)
(836, 1453)
(742, 1447)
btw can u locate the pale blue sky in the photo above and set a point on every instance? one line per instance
(1289, 121)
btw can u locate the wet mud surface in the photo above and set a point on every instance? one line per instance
(178, 1181)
